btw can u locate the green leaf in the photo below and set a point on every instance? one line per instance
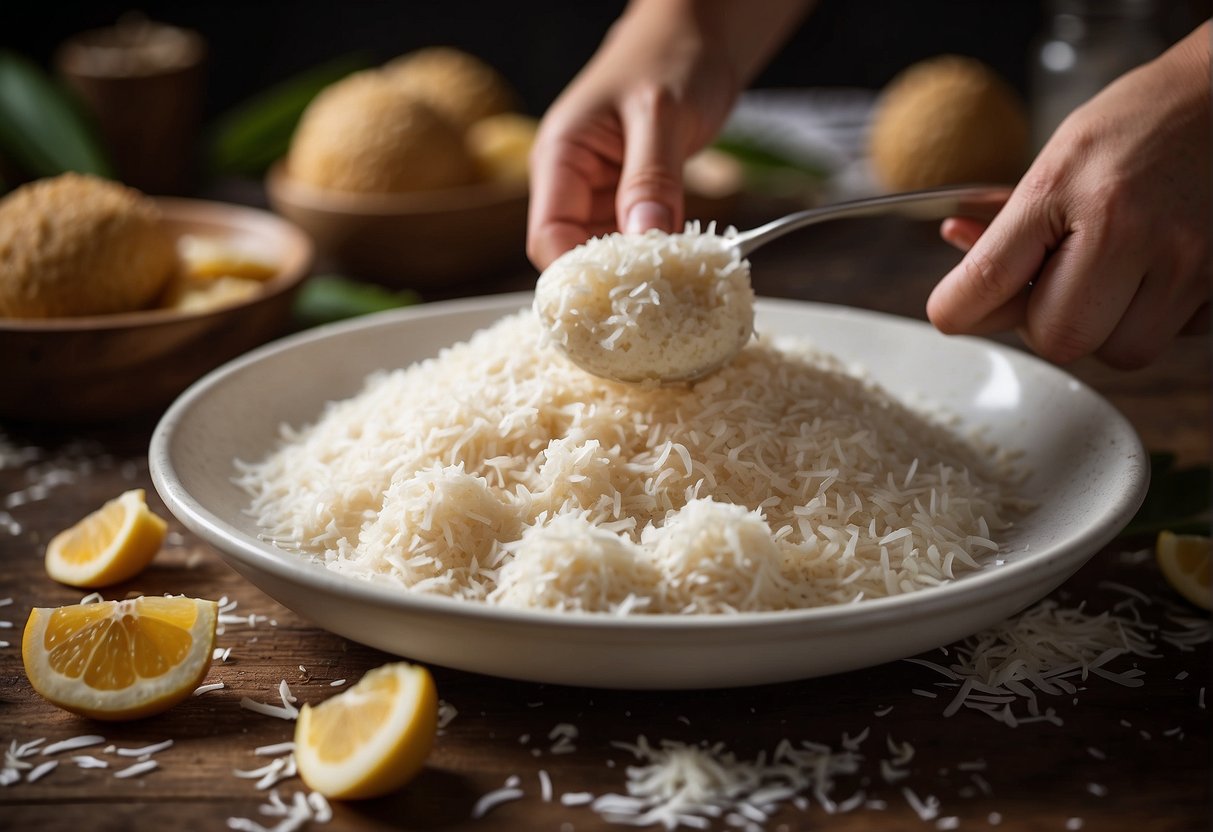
(42, 130)
(762, 158)
(326, 298)
(249, 138)
(1179, 499)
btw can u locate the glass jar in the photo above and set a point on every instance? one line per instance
(1087, 45)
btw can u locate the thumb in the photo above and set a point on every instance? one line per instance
(650, 183)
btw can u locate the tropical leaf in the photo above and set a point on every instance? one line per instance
(42, 130)
(326, 298)
(1178, 500)
(249, 138)
(760, 157)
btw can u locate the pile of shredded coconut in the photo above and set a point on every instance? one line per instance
(499, 472)
(649, 307)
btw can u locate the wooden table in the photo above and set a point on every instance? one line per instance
(1125, 758)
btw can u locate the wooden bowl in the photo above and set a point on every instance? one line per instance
(421, 239)
(105, 367)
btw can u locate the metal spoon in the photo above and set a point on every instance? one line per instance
(981, 201)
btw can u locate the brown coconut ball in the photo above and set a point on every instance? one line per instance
(501, 146)
(948, 120)
(462, 87)
(79, 245)
(363, 134)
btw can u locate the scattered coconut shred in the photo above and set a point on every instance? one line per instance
(500, 472)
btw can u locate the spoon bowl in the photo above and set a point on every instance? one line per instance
(668, 291)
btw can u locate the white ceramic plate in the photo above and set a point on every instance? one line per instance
(1088, 472)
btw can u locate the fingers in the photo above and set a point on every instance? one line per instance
(1011, 315)
(961, 232)
(972, 218)
(1164, 307)
(1098, 292)
(566, 199)
(1080, 296)
(591, 175)
(998, 266)
(650, 183)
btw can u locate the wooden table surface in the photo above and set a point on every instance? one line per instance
(1132, 758)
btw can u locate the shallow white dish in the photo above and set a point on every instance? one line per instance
(1089, 474)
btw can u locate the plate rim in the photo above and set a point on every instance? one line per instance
(975, 588)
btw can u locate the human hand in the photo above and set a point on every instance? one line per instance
(1104, 245)
(610, 150)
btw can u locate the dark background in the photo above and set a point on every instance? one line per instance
(540, 44)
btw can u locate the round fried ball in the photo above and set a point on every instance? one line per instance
(80, 245)
(948, 120)
(460, 86)
(363, 134)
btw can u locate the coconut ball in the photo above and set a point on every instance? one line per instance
(79, 245)
(363, 134)
(948, 120)
(571, 565)
(719, 557)
(439, 521)
(501, 146)
(575, 473)
(459, 86)
(648, 307)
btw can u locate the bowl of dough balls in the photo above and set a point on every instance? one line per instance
(112, 302)
(413, 173)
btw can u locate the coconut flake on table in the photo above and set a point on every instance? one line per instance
(302, 808)
(73, 743)
(1036, 652)
(649, 307)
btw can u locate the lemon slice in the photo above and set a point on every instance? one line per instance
(206, 257)
(119, 660)
(114, 543)
(1184, 559)
(371, 739)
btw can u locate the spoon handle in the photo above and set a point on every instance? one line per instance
(967, 200)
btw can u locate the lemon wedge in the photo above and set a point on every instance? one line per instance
(1184, 559)
(207, 257)
(117, 660)
(114, 543)
(371, 739)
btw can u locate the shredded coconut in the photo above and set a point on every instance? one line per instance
(137, 770)
(83, 741)
(652, 306)
(303, 807)
(1039, 651)
(676, 784)
(494, 799)
(145, 750)
(497, 472)
(280, 711)
(41, 771)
